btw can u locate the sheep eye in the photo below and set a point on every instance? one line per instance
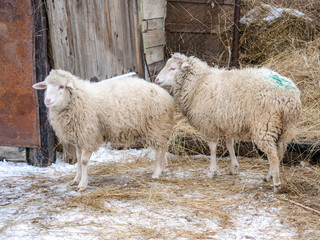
(61, 87)
(171, 69)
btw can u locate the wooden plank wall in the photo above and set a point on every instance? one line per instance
(154, 12)
(96, 39)
(197, 27)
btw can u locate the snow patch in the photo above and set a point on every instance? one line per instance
(267, 13)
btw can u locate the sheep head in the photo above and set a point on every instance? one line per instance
(59, 86)
(176, 64)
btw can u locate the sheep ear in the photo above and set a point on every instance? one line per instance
(185, 66)
(40, 85)
(70, 87)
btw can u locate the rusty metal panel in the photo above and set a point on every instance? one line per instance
(19, 124)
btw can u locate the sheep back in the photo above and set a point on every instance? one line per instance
(238, 103)
(121, 111)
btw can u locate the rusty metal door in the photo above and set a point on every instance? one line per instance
(19, 124)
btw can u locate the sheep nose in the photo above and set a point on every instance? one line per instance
(47, 101)
(157, 80)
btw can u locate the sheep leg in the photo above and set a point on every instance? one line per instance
(85, 157)
(78, 175)
(274, 169)
(234, 161)
(281, 147)
(213, 169)
(161, 162)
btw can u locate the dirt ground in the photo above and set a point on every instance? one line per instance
(124, 202)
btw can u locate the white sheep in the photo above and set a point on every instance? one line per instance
(121, 111)
(251, 104)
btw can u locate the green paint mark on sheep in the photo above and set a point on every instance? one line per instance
(280, 81)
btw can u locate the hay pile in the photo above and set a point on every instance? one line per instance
(269, 29)
(303, 67)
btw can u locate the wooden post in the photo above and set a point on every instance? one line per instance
(45, 155)
(236, 34)
(139, 38)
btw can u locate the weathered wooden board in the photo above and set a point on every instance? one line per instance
(154, 38)
(12, 154)
(198, 18)
(222, 2)
(205, 46)
(153, 24)
(96, 39)
(194, 28)
(154, 9)
(155, 54)
(198, 28)
(154, 12)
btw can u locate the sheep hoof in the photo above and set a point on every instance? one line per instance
(155, 176)
(267, 178)
(234, 170)
(81, 189)
(212, 173)
(277, 188)
(74, 183)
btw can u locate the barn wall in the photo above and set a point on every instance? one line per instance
(154, 12)
(96, 39)
(197, 27)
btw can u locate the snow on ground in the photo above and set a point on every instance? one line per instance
(35, 204)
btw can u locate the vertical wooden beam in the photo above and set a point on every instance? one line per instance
(139, 37)
(45, 155)
(236, 34)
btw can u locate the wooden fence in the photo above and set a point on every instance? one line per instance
(154, 12)
(200, 28)
(96, 39)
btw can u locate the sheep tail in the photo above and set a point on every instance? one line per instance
(291, 113)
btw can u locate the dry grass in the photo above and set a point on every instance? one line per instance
(118, 187)
(167, 192)
(185, 139)
(199, 196)
(303, 67)
(262, 40)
